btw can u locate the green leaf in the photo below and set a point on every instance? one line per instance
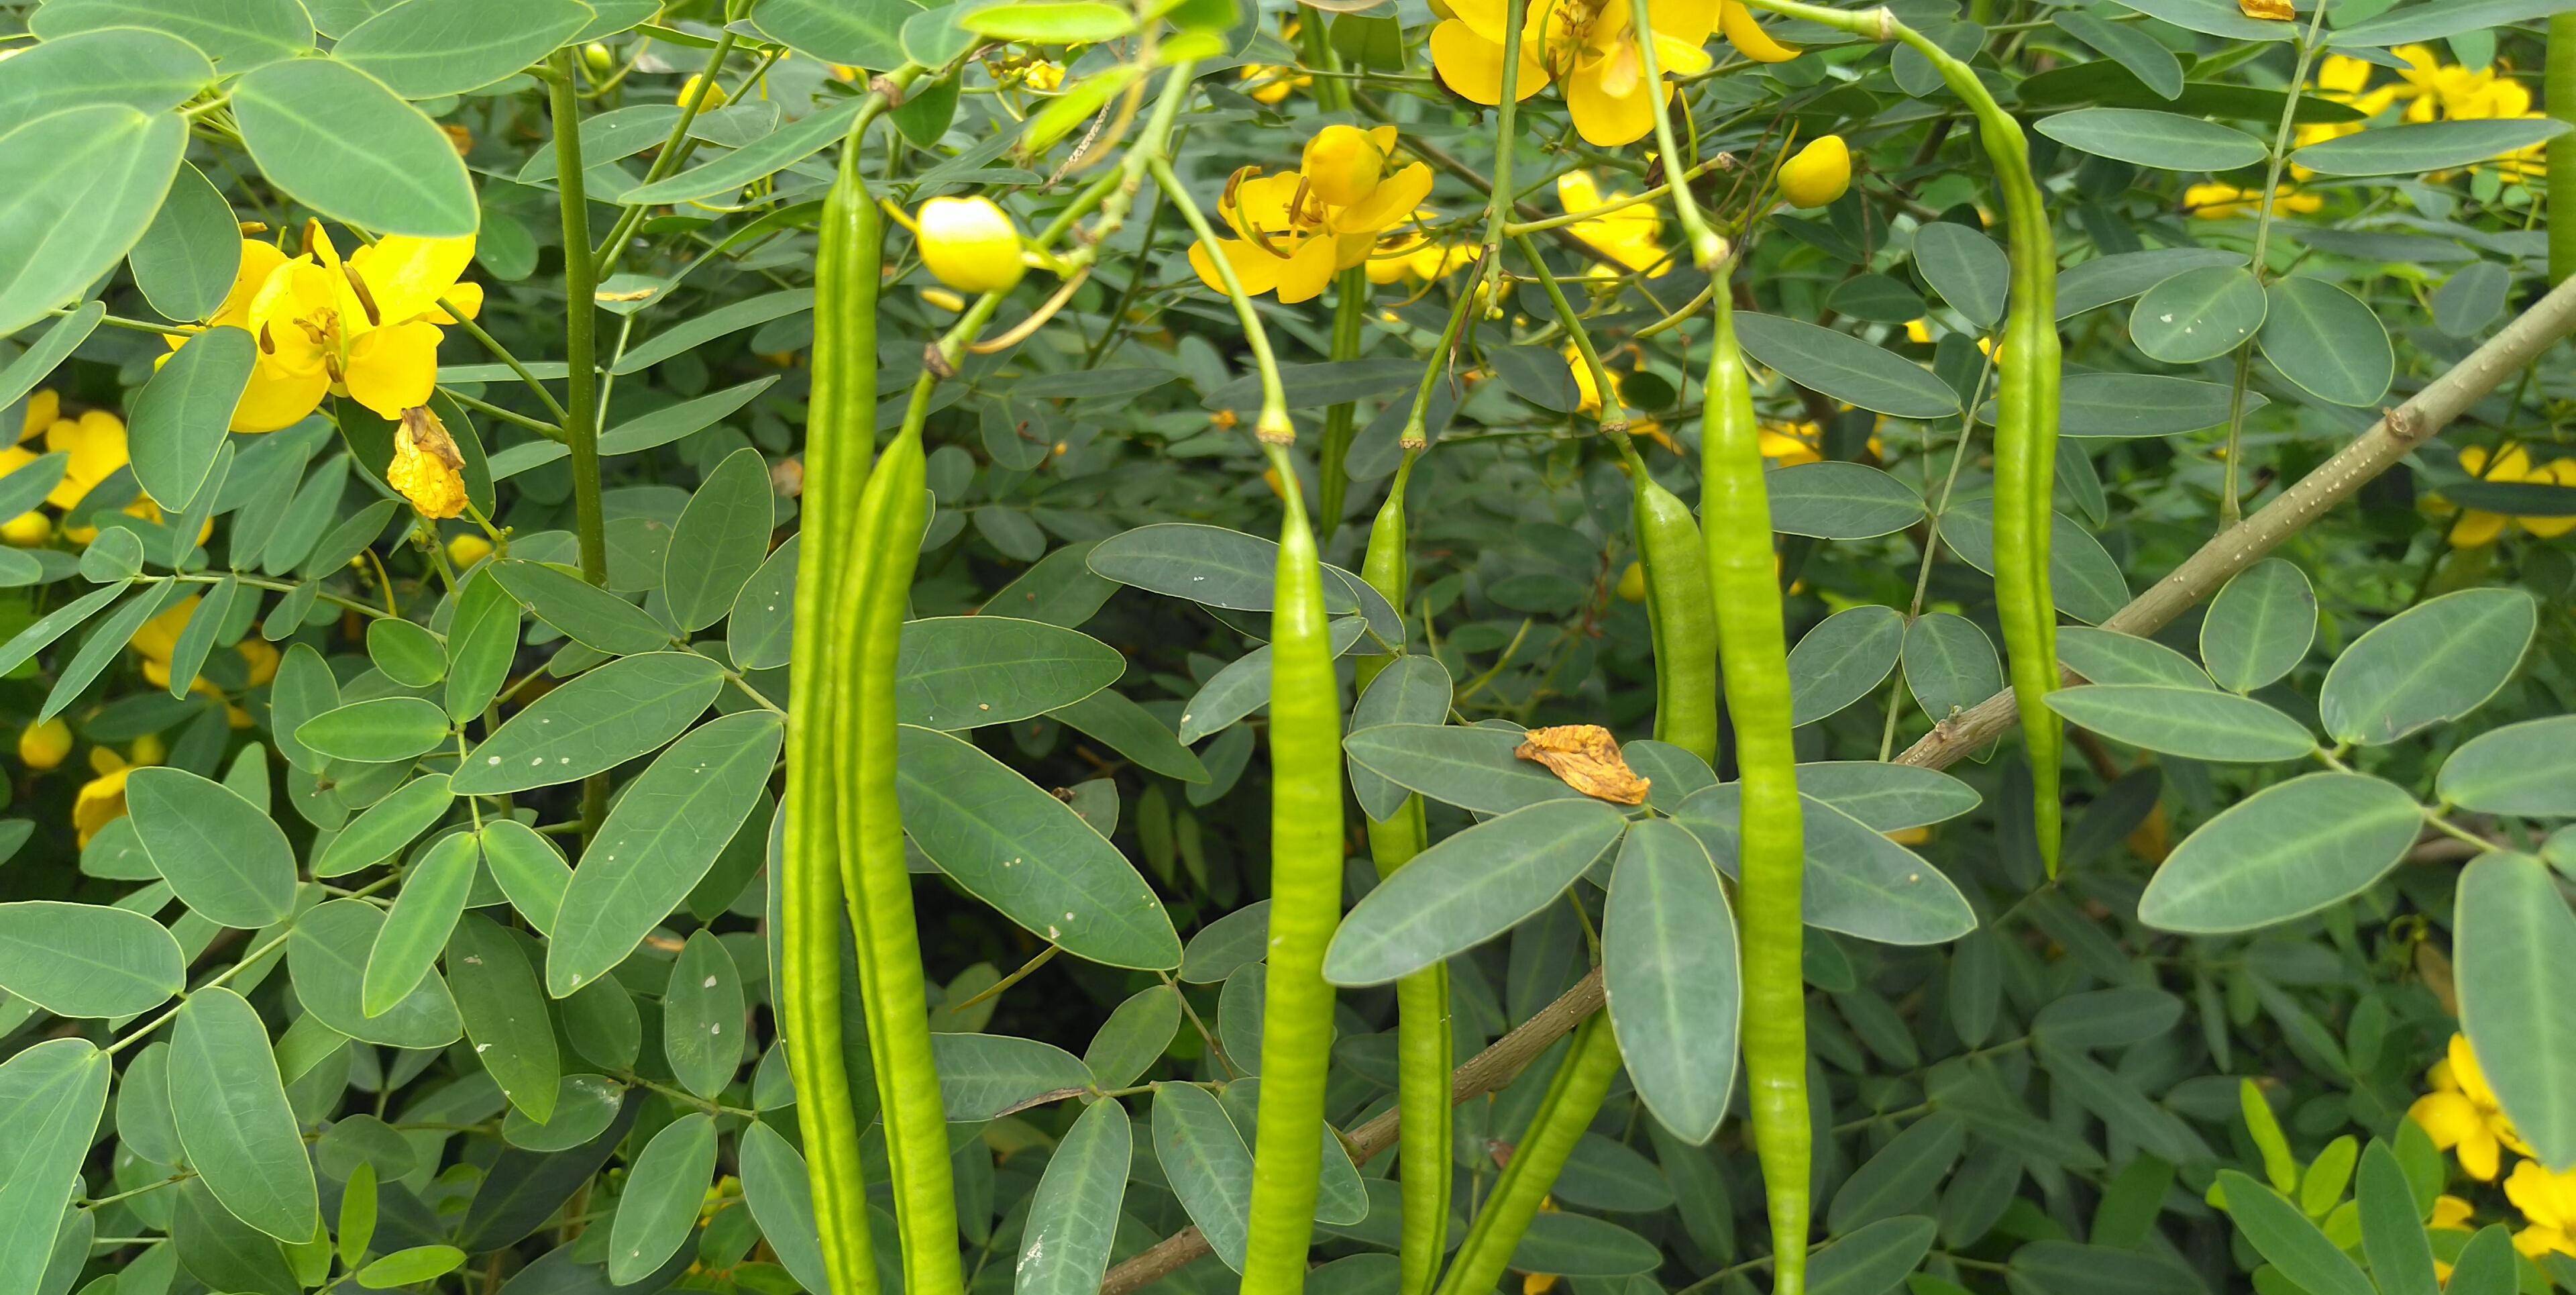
(2110, 657)
(87, 959)
(1950, 664)
(409, 654)
(505, 1014)
(596, 722)
(51, 1096)
(2082, 574)
(2106, 1018)
(1857, 881)
(356, 1229)
(2471, 299)
(700, 329)
(985, 1076)
(1578, 1245)
(2143, 55)
(1134, 732)
(1409, 690)
(2260, 626)
(1243, 686)
(1846, 368)
(753, 162)
(529, 870)
(586, 613)
(1966, 268)
(223, 856)
(584, 1105)
(341, 142)
(22, 490)
(663, 1193)
(422, 49)
(148, 71)
(703, 1016)
(720, 539)
(2427, 146)
(2216, 18)
(1886, 797)
(2526, 769)
(2286, 851)
(1213, 567)
(1012, 845)
(1843, 659)
(866, 34)
(1057, 22)
(2198, 314)
(2424, 22)
(2166, 141)
(211, 619)
(1207, 1164)
(384, 828)
(327, 959)
(775, 1186)
(2139, 404)
(660, 837)
(377, 730)
(1073, 1215)
(1341, 1198)
(2435, 661)
(1471, 767)
(2285, 1238)
(2392, 1233)
(1134, 1037)
(2105, 280)
(410, 1267)
(1470, 888)
(237, 34)
(1669, 963)
(2518, 996)
(85, 184)
(1872, 1260)
(230, 1106)
(185, 263)
(416, 930)
(1901, 1176)
(761, 627)
(962, 672)
(671, 422)
(2323, 338)
(2196, 723)
(1832, 500)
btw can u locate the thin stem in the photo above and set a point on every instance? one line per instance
(1932, 540)
(1273, 425)
(675, 148)
(502, 353)
(581, 363)
(1706, 246)
(2231, 507)
(1498, 201)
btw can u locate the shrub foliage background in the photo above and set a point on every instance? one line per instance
(396, 810)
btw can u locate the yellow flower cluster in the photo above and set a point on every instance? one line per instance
(366, 327)
(94, 444)
(2476, 528)
(1591, 50)
(2462, 1116)
(1296, 229)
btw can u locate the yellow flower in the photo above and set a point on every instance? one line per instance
(366, 328)
(1290, 237)
(2453, 1213)
(1919, 331)
(467, 549)
(2476, 528)
(29, 528)
(1409, 254)
(1745, 33)
(1631, 235)
(1269, 84)
(1042, 76)
(2548, 1203)
(2436, 92)
(970, 244)
(698, 87)
(101, 800)
(1632, 583)
(1588, 47)
(426, 468)
(96, 443)
(1819, 174)
(260, 656)
(2219, 201)
(1790, 444)
(2461, 1113)
(43, 407)
(42, 745)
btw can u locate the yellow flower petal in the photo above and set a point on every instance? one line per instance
(1303, 275)
(1610, 105)
(1473, 66)
(278, 397)
(1392, 201)
(1256, 270)
(393, 369)
(101, 801)
(407, 275)
(426, 467)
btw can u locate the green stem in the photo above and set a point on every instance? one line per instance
(2231, 506)
(1573, 1097)
(1706, 247)
(1350, 314)
(1498, 199)
(675, 149)
(2559, 99)
(581, 369)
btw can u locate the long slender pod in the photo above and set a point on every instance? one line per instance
(1573, 1098)
(1684, 619)
(1305, 905)
(2558, 97)
(1423, 1042)
(1753, 652)
(2027, 370)
(838, 447)
(887, 542)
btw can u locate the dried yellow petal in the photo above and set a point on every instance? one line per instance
(426, 467)
(1587, 759)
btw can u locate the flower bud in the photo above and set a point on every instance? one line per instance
(1342, 165)
(695, 87)
(427, 469)
(970, 244)
(1820, 173)
(43, 745)
(596, 57)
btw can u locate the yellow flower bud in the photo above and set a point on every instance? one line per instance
(697, 86)
(1342, 165)
(595, 56)
(467, 549)
(970, 244)
(148, 749)
(1632, 583)
(1819, 174)
(27, 529)
(43, 746)
(426, 468)
(944, 299)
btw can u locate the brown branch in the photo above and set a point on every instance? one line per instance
(1483, 1073)
(2240, 546)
